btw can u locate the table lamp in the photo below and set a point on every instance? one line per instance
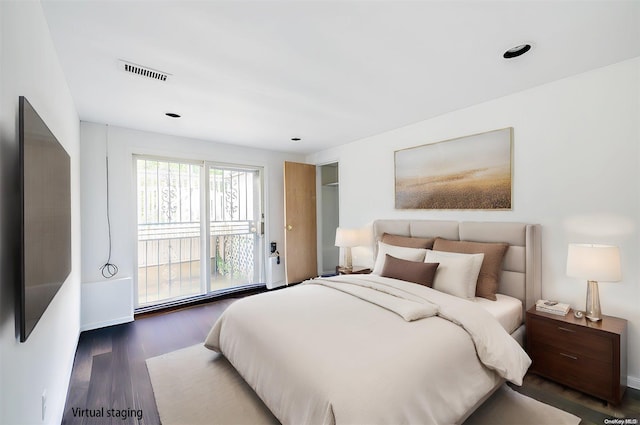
(347, 238)
(594, 263)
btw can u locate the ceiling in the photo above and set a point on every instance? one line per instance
(258, 73)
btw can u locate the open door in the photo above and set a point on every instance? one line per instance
(301, 261)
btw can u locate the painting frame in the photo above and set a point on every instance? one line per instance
(473, 172)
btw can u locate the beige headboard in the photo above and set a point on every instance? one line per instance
(521, 270)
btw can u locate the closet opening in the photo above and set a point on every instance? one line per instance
(329, 214)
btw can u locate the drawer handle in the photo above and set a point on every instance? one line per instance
(565, 329)
(567, 355)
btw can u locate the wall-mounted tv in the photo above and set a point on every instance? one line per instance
(45, 186)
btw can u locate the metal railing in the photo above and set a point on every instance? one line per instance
(169, 258)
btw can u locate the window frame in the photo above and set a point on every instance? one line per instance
(205, 228)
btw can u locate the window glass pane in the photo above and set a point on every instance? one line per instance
(234, 237)
(168, 230)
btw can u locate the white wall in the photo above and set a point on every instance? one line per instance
(30, 68)
(576, 172)
(122, 144)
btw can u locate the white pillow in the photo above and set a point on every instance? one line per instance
(457, 273)
(411, 254)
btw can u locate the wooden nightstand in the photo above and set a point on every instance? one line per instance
(354, 270)
(588, 356)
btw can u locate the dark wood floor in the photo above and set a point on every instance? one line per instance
(110, 372)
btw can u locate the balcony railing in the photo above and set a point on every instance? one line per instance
(169, 259)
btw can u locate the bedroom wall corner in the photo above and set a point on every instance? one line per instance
(576, 172)
(30, 68)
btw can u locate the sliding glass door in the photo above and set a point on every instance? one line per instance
(172, 197)
(235, 226)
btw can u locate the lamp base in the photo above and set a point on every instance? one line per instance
(592, 311)
(348, 265)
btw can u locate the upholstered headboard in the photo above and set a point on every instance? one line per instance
(521, 269)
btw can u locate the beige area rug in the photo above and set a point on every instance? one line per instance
(197, 386)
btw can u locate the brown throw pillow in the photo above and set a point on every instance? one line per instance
(491, 269)
(411, 271)
(407, 241)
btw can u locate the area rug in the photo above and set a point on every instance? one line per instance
(197, 386)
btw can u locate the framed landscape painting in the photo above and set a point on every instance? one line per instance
(466, 173)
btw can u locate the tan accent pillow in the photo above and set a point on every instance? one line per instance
(491, 269)
(410, 271)
(407, 241)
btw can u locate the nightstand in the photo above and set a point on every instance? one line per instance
(354, 270)
(588, 356)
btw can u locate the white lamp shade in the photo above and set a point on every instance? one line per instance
(599, 263)
(347, 237)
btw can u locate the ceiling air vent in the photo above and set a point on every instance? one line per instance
(143, 71)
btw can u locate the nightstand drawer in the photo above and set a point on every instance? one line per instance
(574, 370)
(568, 337)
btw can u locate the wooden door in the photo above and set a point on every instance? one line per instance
(301, 261)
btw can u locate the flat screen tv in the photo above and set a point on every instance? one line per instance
(45, 187)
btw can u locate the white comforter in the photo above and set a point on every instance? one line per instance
(363, 349)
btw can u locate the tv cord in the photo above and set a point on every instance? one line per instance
(108, 269)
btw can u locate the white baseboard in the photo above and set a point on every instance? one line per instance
(105, 323)
(633, 382)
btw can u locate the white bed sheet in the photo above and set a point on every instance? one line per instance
(507, 310)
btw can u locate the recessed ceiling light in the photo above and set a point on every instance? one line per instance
(172, 115)
(514, 52)
(295, 139)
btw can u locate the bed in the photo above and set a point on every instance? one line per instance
(376, 349)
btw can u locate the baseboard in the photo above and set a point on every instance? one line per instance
(633, 382)
(105, 323)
